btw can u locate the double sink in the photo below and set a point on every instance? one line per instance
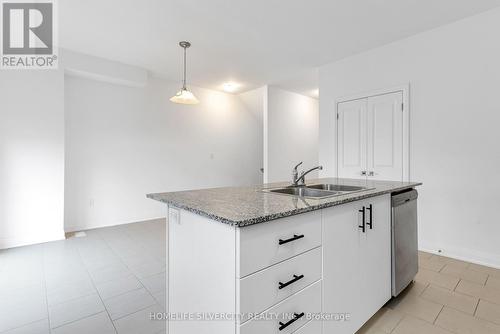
(317, 191)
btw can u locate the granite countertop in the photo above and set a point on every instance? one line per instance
(243, 206)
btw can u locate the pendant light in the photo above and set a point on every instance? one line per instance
(184, 96)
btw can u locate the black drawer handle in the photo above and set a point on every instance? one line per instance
(363, 223)
(295, 318)
(370, 224)
(295, 237)
(295, 279)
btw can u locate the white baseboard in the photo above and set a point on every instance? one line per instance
(25, 240)
(468, 255)
(91, 227)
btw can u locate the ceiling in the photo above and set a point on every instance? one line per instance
(251, 42)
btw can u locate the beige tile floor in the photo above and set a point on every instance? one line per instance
(448, 296)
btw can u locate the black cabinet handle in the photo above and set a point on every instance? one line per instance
(370, 208)
(295, 237)
(363, 223)
(295, 318)
(295, 279)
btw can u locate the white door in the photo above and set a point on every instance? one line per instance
(385, 137)
(351, 153)
(370, 138)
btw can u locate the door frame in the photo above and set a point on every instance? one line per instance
(405, 89)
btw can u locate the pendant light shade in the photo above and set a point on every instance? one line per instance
(184, 96)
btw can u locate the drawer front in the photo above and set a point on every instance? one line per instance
(308, 301)
(262, 245)
(261, 290)
(312, 327)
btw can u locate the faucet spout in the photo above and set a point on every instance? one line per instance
(295, 173)
(300, 181)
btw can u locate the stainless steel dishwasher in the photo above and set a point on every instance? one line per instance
(404, 240)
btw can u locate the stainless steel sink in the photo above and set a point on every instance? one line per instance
(317, 191)
(336, 187)
(303, 192)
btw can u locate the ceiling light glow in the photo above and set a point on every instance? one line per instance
(230, 87)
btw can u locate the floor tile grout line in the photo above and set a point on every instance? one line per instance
(76, 320)
(446, 329)
(466, 294)
(120, 294)
(472, 316)
(477, 305)
(478, 297)
(452, 307)
(399, 322)
(487, 321)
(427, 285)
(437, 316)
(131, 272)
(45, 288)
(487, 279)
(24, 325)
(137, 311)
(73, 299)
(144, 287)
(97, 291)
(456, 286)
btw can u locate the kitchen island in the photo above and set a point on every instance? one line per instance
(248, 260)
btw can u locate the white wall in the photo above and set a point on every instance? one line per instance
(292, 134)
(31, 157)
(255, 101)
(124, 142)
(454, 74)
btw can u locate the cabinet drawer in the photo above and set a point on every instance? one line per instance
(262, 245)
(262, 290)
(312, 327)
(306, 302)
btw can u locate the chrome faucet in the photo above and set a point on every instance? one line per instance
(295, 173)
(301, 180)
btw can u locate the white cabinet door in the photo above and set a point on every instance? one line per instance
(351, 154)
(376, 255)
(385, 137)
(342, 245)
(356, 264)
(370, 138)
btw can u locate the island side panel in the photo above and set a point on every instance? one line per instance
(202, 271)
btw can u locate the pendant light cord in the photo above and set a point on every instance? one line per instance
(184, 82)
